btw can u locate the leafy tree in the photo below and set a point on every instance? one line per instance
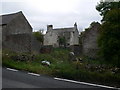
(62, 41)
(109, 39)
(39, 36)
(113, 16)
(104, 7)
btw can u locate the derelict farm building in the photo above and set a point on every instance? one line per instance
(17, 33)
(52, 35)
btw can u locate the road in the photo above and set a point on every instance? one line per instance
(21, 79)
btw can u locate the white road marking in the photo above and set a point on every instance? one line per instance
(12, 69)
(34, 74)
(69, 80)
(85, 83)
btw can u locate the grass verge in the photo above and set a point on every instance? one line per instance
(87, 71)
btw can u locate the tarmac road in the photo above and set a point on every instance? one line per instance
(12, 78)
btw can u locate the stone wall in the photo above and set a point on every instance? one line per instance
(36, 46)
(77, 49)
(46, 49)
(19, 25)
(18, 43)
(17, 35)
(89, 40)
(71, 35)
(22, 43)
(51, 37)
(0, 38)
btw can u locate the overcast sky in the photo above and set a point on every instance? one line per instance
(59, 13)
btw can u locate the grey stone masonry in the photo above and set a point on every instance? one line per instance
(17, 34)
(89, 40)
(71, 35)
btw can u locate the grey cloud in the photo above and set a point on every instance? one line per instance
(83, 13)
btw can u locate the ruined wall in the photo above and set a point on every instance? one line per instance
(18, 43)
(35, 46)
(17, 36)
(21, 43)
(89, 41)
(77, 49)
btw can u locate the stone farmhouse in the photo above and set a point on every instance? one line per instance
(17, 34)
(52, 36)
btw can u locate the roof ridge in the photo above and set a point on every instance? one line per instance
(65, 28)
(7, 18)
(11, 13)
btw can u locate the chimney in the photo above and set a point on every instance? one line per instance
(49, 27)
(75, 25)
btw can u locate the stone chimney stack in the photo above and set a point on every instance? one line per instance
(75, 25)
(49, 27)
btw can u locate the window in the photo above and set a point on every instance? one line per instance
(68, 44)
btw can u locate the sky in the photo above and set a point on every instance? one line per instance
(59, 13)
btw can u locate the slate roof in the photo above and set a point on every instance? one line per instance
(7, 18)
(66, 29)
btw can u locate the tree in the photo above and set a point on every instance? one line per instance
(105, 7)
(109, 39)
(113, 16)
(39, 36)
(62, 41)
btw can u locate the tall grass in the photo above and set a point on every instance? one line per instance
(62, 67)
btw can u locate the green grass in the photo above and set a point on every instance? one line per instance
(62, 67)
(29, 66)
